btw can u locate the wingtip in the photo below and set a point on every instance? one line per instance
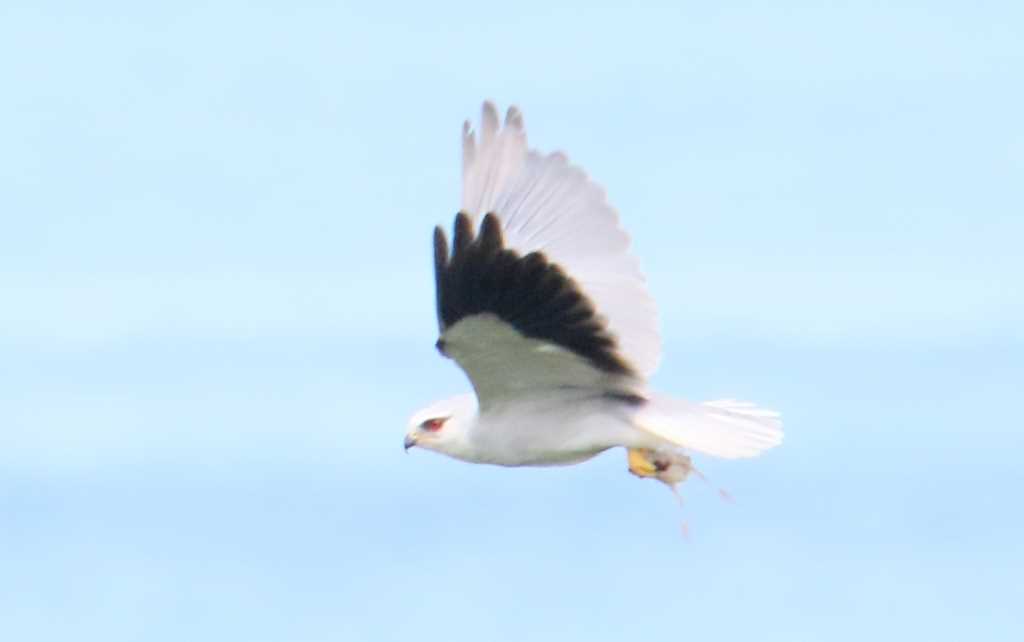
(468, 144)
(440, 250)
(514, 118)
(490, 232)
(488, 120)
(463, 233)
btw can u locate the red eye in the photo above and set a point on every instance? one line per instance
(433, 425)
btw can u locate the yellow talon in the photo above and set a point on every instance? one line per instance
(641, 462)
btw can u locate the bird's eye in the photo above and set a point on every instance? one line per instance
(433, 425)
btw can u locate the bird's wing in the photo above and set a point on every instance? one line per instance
(546, 206)
(518, 324)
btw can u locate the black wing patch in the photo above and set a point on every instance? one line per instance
(528, 292)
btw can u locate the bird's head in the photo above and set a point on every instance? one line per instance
(443, 426)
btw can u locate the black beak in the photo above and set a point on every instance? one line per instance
(410, 441)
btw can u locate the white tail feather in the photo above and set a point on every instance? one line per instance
(724, 428)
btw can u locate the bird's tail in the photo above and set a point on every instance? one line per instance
(724, 428)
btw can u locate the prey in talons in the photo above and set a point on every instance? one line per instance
(668, 467)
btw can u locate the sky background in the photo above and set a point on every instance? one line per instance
(216, 316)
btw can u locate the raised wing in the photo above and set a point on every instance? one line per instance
(546, 206)
(518, 324)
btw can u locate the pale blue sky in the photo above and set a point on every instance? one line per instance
(217, 314)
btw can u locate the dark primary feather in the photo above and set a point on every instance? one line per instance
(528, 292)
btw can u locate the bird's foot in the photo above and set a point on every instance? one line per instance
(668, 467)
(641, 462)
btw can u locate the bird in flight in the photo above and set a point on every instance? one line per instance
(541, 304)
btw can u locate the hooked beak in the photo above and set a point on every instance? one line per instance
(410, 441)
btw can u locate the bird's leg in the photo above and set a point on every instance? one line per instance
(641, 462)
(668, 467)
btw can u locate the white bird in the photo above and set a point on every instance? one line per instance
(548, 314)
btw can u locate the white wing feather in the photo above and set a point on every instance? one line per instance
(545, 204)
(503, 365)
